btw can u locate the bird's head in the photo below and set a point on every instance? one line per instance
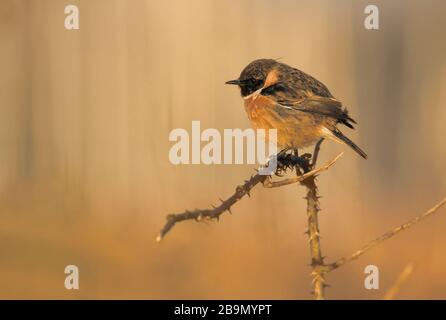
(255, 76)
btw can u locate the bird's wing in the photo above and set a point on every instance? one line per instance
(325, 106)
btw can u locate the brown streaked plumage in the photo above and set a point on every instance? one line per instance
(300, 107)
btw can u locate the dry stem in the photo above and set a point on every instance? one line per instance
(405, 274)
(319, 268)
(215, 212)
(386, 236)
(317, 262)
(275, 184)
(240, 192)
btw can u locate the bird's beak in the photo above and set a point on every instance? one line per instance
(236, 82)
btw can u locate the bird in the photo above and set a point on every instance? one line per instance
(300, 107)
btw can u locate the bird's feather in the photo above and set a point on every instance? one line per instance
(329, 107)
(307, 101)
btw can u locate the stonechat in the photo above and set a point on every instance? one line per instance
(300, 107)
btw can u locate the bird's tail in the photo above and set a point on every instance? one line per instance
(339, 136)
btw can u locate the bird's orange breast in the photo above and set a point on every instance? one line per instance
(293, 129)
(257, 109)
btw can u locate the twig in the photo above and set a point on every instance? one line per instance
(215, 212)
(284, 162)
(317, 262)
(385, 236)
(289, 161)
(317, 148)
(300, 178)
(402, 278)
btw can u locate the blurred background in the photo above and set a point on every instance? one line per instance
(85, 177)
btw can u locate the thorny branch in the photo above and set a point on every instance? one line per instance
(285, 162)
(312, 197)
(215, 212)
(306, 175)
(301, 178)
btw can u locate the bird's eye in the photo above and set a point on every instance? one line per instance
(250, 85)
(255, 83)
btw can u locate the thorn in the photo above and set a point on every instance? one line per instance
(159, 238)
(229, 210)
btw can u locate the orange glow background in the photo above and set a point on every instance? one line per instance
(85, 177)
